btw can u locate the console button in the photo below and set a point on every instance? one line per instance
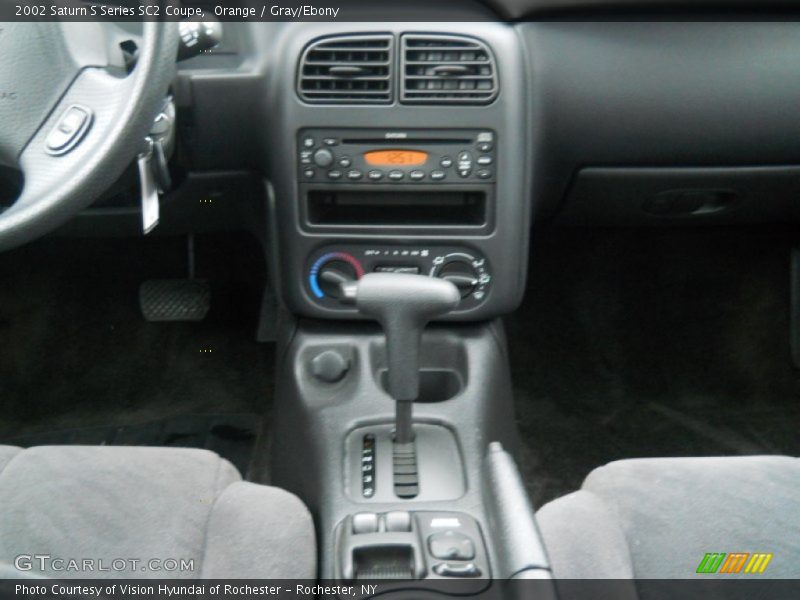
(448, 570)
(438, 175)
(398, 521)
(323, 157)
(308, 142)
(330, 141)
(309, 173)
(396, 175)
(485, 146)
(484, 174)
(330, 366)
(334, 175)
(345, 162)
(305, 157)
(484, 160)
(416, 175)
(375, 175)
(451, 545)
(354, 174)
(446, 162)
(365, 523)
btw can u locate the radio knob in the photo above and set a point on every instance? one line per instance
(323, 157)
(461, 274)
(333, 274)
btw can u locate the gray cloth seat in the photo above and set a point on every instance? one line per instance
(657, 518)
(146, 504)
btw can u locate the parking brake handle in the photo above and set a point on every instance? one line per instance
(403, 304)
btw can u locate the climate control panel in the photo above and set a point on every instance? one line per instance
(331, 266)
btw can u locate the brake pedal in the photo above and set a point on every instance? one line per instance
(176, 299)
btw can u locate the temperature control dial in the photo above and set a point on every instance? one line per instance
(330, 271)
(462, 274)
(467, 272)
(333, 274)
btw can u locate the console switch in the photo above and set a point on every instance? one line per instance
(451, 545)
(365, 523)
(398, 521)
(449, 570)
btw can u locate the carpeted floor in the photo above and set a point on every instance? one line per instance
(78, 363)
(630, 343)
(642, 343)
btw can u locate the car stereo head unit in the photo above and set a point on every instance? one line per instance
(401, 157)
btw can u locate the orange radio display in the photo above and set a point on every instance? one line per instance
(396, 158)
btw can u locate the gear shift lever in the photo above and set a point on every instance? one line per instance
(403, 304)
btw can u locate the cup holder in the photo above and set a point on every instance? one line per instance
(435, 385)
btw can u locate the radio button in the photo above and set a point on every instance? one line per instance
(446, 162)
(346, 162)
(323, 158)
(375, 175)
(308, 142)
(416, 175)
(330, 141)
(464, 165)
(309, 173)
(484, 174)
(484, 160)
(438, 175)
(396, 175)
(485, 146)
(354, 174)
(334, 175)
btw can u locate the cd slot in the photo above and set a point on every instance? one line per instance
(418, 208)
(406, 141)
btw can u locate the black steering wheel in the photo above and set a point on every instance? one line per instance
(70, 120)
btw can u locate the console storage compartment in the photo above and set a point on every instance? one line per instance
(393, 208)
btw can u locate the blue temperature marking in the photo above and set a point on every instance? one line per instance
(312, 276)
(312, 280)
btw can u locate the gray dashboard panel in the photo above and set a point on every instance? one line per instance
(632, 94)
(651, 94)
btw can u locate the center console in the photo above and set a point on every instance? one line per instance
(412, 181)
(390, 207)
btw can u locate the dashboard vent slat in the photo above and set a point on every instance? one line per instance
(446, 69)
(349, 69)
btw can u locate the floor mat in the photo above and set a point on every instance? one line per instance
(231, 436)
(647, 343)
(78, 359)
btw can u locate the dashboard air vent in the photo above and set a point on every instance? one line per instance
(353, 69)
(447, 69)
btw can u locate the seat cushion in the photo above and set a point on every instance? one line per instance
(657, 518)
(143, 504)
